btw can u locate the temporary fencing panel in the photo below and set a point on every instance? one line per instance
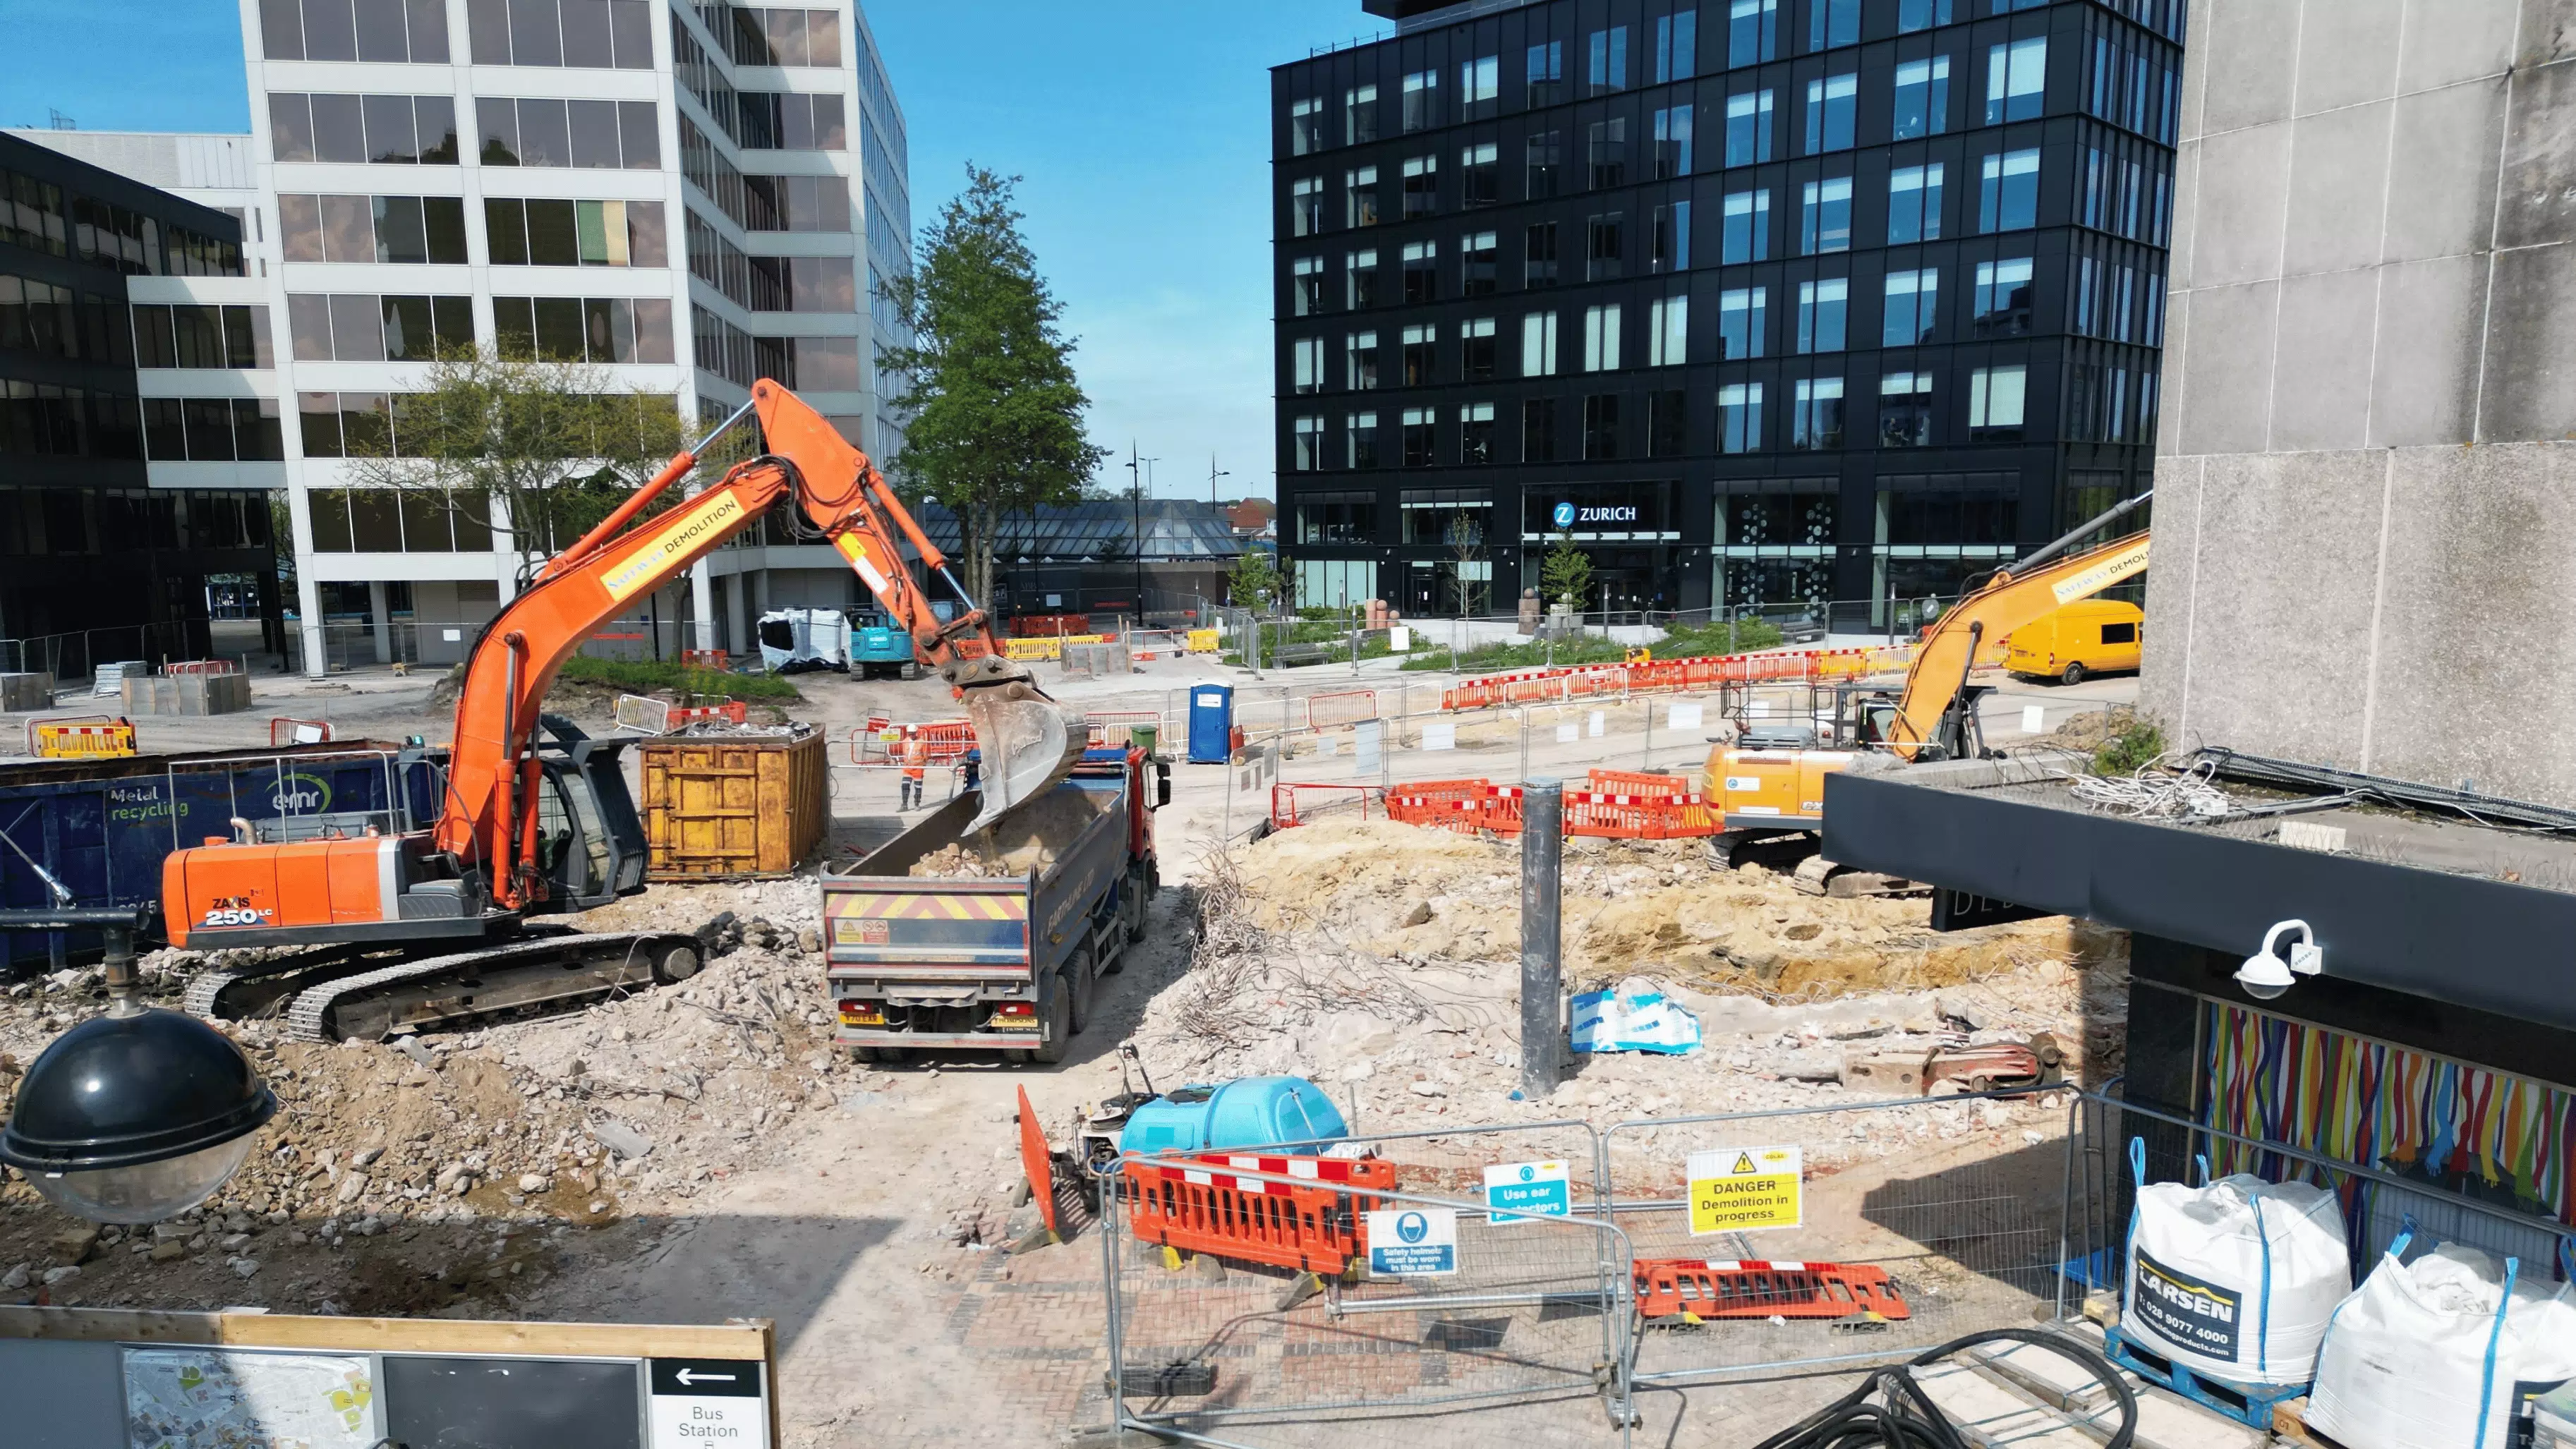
(1110, 726)
(1341, 707)
(1591, 681)
(1293, 803)
(1473, 805)
(285, 731)
(643, 713)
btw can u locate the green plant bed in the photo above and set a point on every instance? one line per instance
(1689, 642)
(647, 676)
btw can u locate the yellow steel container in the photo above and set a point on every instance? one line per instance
(728, 807)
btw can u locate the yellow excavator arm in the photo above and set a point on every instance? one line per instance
(2023, 594)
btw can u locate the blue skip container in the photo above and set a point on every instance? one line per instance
(1247, 1112)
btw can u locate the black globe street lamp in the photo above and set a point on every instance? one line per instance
(138, 1115)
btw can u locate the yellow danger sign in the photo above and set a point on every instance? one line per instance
(1745, 1189)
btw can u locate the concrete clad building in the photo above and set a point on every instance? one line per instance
(2366, 488)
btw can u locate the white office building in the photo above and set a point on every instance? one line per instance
(686, 196)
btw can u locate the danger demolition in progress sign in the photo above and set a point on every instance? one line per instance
(1746, 1189)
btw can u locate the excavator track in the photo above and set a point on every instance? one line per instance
(251, 990)
(349, 996)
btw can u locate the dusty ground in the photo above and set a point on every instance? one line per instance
(698, 1152)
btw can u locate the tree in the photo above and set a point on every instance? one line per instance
(1466, 549)
(1565, 574)
(1253, 583)
(994, 412)
(540, 450)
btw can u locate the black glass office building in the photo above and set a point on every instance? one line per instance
(1818, 303)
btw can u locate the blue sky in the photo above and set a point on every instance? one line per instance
(1139, 128)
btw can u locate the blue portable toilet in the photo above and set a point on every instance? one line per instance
(1211, 723)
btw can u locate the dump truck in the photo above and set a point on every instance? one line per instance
(948, 938)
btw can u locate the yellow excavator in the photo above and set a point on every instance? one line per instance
(1769, 783)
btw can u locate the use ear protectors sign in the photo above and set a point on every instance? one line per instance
(1745, 1189)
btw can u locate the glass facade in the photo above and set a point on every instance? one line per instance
(1924, 240)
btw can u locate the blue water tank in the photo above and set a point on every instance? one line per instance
(1248, 1112)
(1211, 723)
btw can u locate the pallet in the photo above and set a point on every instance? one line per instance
(2253, 1405)
(2290, 1424)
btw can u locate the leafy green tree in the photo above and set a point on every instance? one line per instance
(1253, 583)
(994, 411)
(1566, 573)
(539, 450)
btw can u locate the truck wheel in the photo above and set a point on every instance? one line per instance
(863, 1054)
(1055, 1021)
(2074, 675)
(1082, 974)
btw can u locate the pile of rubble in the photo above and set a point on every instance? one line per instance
(423, 1173)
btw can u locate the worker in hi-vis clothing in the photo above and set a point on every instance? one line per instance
(916, 757)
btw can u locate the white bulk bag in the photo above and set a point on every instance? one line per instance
(2235, 1279)
(2425, 1356)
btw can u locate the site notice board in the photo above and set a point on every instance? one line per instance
(83, 1378)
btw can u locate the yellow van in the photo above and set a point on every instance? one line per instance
(2082, 639)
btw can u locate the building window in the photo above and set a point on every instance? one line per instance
(778, 37)
(1306, 363)
(194, 429)
(1822, 309)
(1914, 204)
(1538, 255)
(615, 329)
(1601, 338)
(1743, 316)
(1359, 359)
(1601, 426)
(1832, 23)
(1538, 345)
(1305, 286)
(544, 233)
(1418, 424)
(1995, 403)
(1421, 101)
(1609, 153)
(1477, 266)
(1914, 15)
(1545, 73)
(1544, 157)
(1604, 246)
(2003, 298)
(603, 134)
(1359, 115)
(1480, 175)
(1905, 410)
(1305, 206)
(1476, 433)
(365, 327)
(1305, 127)
(363, 130)
(1677, 46)
(1816, 413)
(1668, 242)
(1418, 345)
(1912, 301)
(1672, 142)
(1479, 87)
(1337, 518)
(1421, 271)
(1359, 279)
(1538, 430)
(1360, 430)
(373, 228)
(1421, 185)
(618, 34)
(1739, 416)
(1359, 196)
(1748, 128)
(1746, 234)
(1824, 216)
(1752, 31)
(1668, 331)
(1667, 423)
(1476, 349)
(1609, 50)
(2016, 80)
(1308, 453)
(380, 30)
(2008, 192)
(1922, 97)
(1832, 103)
(180, 335)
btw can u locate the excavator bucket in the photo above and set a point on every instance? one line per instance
(1029, 742)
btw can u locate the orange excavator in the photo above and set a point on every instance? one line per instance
(410, 927)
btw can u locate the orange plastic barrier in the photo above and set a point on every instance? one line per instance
(1197, 1204)
(202, 666)
(1662, 809)
(733, 710)
(1460, 805)
(283, 730)
(1037, 1162)
(1591, 681)
(703, 658)
(1670, 1287)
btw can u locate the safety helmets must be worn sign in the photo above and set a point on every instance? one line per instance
(1413, 1242)
(1745, 1189)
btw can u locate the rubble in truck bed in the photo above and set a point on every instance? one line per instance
(455, 1173)
(1026, 840)
(1382, 960)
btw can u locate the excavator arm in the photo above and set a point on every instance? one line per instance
(2023, 594)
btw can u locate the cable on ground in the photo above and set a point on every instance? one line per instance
(1903, 1416)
